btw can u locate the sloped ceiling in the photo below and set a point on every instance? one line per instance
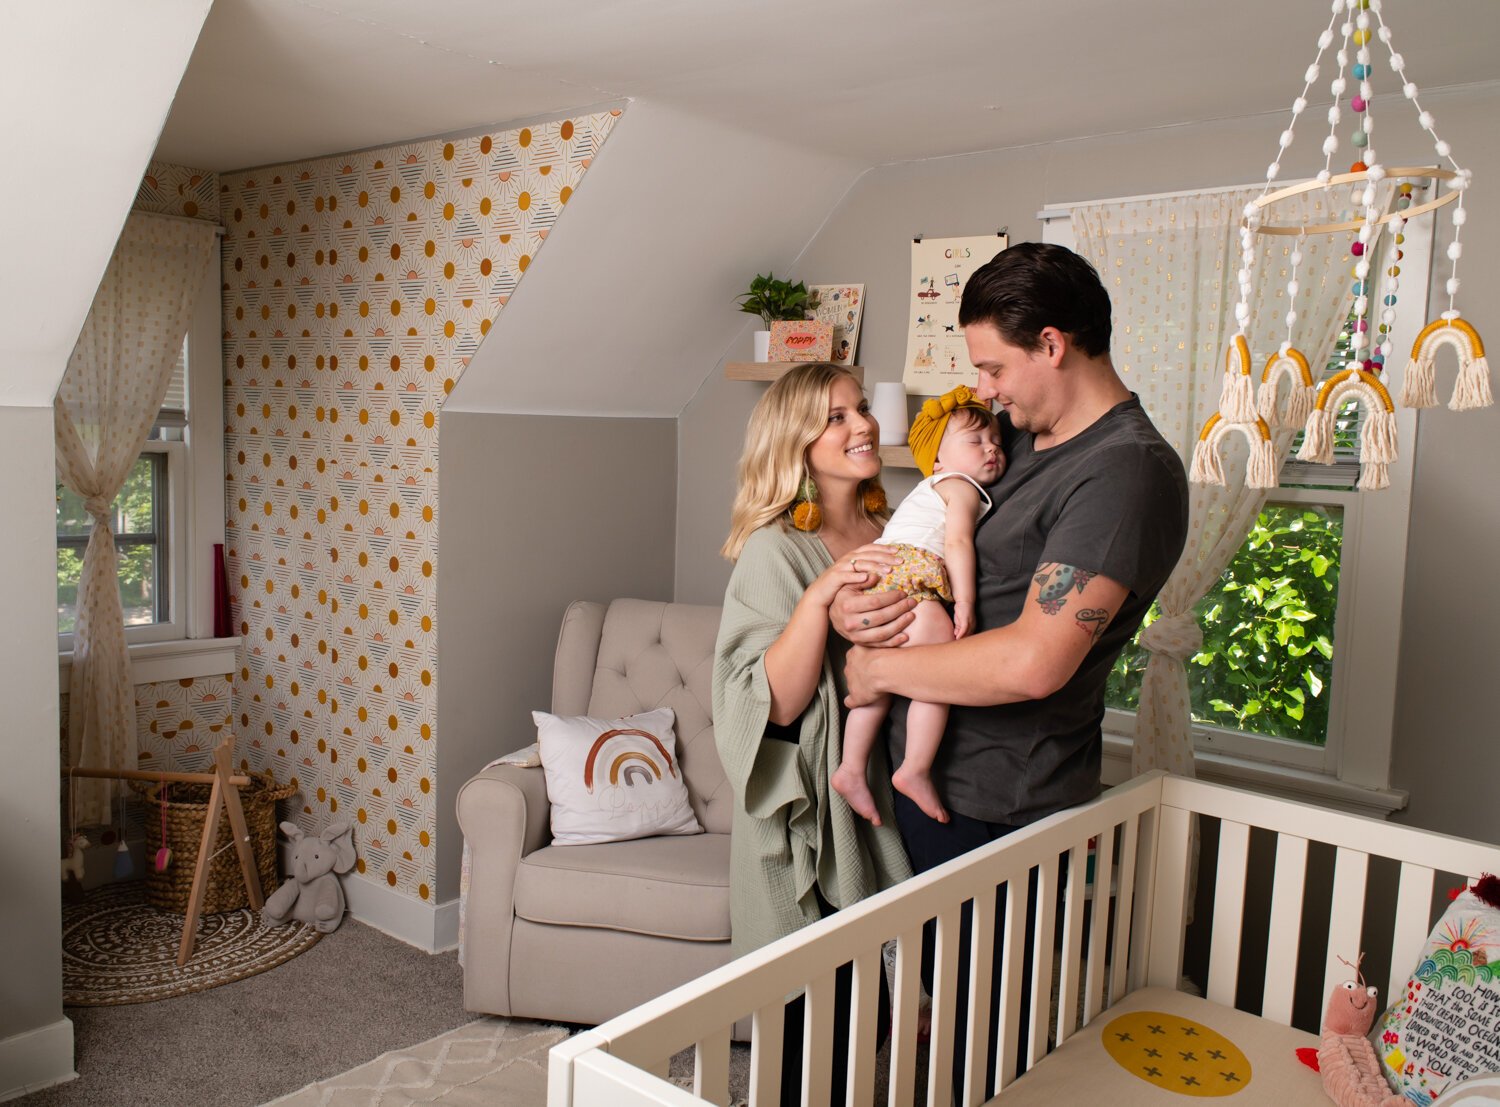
(870, 80)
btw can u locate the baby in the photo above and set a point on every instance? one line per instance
(955, 440)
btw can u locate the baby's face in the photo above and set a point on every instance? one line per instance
(972, 449)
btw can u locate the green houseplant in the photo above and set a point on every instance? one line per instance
(773, 299)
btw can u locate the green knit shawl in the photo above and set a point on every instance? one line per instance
(791, 832)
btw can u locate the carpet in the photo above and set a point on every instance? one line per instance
(493, 1061)
(118, 949)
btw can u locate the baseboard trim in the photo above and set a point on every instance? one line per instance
(431, 927)
(36, 1059)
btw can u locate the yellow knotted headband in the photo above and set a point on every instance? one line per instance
(927, 428)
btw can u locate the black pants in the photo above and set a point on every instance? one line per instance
(929, 844)
(791, 1047)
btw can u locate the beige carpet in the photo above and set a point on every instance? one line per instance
(493, 1062)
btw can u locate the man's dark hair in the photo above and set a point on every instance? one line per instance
(1034, 285)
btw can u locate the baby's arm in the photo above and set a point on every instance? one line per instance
(964, 507)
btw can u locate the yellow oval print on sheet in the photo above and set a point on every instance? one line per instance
(1177, 1054)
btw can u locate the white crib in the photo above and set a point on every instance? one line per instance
(1145, 845)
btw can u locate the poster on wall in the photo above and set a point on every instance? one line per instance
(841, 305)
(936, 358)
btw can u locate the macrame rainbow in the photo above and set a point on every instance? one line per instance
(1208, 458)
(1377, 432)
(1288, 362)
(1472, 390)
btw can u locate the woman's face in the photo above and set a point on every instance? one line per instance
(847, 450)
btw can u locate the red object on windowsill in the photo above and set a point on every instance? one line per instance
(223, 625)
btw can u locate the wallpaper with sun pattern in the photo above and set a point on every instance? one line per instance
(356, 289)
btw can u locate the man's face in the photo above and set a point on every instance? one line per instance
(1014, 378)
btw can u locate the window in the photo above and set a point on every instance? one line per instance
(170, 512)
(1300, 634)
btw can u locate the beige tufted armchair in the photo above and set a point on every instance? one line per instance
(582, 933)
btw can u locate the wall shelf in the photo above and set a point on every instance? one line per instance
(771, 370)
(897, 457)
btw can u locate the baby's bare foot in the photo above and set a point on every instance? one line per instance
(856, 791)
(917, 787)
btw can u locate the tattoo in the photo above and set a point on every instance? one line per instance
(1057, 581)
(1092, 621)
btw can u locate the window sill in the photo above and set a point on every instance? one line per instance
(1301, 785)
(180, 659)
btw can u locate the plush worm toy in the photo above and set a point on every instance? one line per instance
(1346, 1059)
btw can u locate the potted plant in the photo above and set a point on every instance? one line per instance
(773, 299)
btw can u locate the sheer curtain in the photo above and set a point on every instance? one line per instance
(1169, 266)
(105, 406)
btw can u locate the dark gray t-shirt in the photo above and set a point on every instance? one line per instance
(1112, 500)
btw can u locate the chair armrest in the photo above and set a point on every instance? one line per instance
(504, 815)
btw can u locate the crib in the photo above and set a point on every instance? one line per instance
(1038, 902)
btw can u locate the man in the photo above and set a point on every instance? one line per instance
(1090, 518)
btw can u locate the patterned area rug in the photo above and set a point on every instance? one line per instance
(119, 949)
(494, 1062)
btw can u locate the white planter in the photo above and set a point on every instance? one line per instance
(762, 345)
(889, 409)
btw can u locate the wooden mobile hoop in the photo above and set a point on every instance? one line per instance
(1254, 412)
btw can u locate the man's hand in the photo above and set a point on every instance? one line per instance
(857, 672)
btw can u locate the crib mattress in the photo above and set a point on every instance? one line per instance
(1158, 1046)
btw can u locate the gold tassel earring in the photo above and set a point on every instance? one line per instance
(806, 514)
(875, 501)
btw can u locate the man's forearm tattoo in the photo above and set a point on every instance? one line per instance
(1092, 621)
(1057, 581)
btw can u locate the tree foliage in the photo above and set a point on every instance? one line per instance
(1267, 657)
(136, 564)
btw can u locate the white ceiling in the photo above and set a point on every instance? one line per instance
(273, 81)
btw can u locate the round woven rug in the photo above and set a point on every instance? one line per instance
(117, 948)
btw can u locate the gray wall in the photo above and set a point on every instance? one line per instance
(1446, 753)
(537, 511)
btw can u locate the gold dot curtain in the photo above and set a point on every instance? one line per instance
(1169, 264)
(105, 407)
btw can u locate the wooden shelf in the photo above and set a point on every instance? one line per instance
(897, 457)
(771, 370)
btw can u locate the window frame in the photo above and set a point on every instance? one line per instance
(1372, 577)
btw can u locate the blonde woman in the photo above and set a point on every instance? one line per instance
(808, 509)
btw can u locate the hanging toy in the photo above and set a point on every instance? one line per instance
(124, 866)
(73, 863)
(164, 853)
(1360, 24)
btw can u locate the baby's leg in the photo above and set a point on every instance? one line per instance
(851, 779)
(924, 721)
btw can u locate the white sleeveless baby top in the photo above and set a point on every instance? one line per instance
(922, 518)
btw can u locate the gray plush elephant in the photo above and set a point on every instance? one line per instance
(312, 894)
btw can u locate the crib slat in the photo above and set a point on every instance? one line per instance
(864, 1030)
(1124, 911)
(1072, 943)
(1042, 937)
(1168, 910)
(1104, 860)
(1349, 874)
(817, 1040)
(711, 1068)
(981, 965)
(944, 1006)
(767, 1028)
(1286, 928)
(1017, 907)
(1229, 910)
(903, 1079)
(1413, 920)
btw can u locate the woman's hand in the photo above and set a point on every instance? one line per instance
(871, 618)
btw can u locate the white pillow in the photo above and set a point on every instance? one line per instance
(609, 780)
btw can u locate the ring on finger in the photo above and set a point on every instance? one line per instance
(854, 564)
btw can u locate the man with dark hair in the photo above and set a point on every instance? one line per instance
(1090, 518)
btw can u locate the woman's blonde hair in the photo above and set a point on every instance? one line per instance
(789, 418)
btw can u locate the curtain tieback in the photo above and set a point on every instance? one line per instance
(1176, 636)
(100, 508)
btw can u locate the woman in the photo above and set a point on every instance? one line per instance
(808, 508)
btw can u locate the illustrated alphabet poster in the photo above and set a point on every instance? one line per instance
(936, 357)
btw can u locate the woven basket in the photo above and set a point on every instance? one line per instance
(186, 807)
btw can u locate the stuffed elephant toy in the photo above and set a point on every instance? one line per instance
(312, 894)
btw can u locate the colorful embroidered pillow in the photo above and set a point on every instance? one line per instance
(1445, 1026)
(609, 780)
